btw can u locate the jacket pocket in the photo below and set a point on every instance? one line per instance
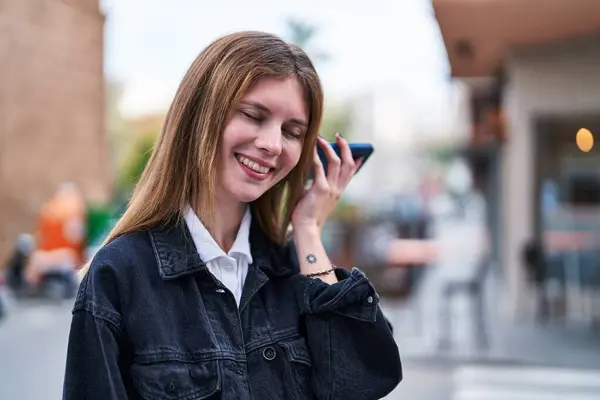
(297, 351)
(299, 364)
(177, 380)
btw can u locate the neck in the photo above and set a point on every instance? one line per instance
(226, 222)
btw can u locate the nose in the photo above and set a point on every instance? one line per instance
(269, 140)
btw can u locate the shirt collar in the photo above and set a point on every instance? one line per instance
(207, 247)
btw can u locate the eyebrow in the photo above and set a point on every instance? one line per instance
(265, 109)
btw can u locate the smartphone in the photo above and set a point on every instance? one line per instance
(359, 150)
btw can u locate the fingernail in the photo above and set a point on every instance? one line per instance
(340, 134)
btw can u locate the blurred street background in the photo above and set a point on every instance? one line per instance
(477, 217)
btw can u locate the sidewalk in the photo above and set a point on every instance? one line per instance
(522, 343)
(524, 361)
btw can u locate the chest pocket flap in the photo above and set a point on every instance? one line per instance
(177, 380)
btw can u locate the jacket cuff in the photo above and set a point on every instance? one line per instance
(352, 296)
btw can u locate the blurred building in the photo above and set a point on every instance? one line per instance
(52, 107)
(532, 69)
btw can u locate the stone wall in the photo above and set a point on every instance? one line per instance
(52, 107)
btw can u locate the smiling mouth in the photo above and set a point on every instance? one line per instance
(254, 166)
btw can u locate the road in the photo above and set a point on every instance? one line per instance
(33, 343)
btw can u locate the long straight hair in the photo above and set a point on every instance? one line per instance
(181, 169)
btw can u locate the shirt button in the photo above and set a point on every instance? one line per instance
(269, 353)
(228, 267)
(370, 299)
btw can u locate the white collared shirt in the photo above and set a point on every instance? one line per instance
(230, 268)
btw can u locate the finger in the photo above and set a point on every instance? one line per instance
(333, 161)
(345, 151)
(358, 164)
(348, 166)
(319, 180)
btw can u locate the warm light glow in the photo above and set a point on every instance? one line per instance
(585, 140)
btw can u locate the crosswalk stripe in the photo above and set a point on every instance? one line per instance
(525, 383)
(517, 394)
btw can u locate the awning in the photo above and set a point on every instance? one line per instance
(477, 33)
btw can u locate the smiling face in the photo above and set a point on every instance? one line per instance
(262, 142)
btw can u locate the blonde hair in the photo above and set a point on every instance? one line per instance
(181, 169)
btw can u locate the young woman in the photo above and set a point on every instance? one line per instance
(200, 292)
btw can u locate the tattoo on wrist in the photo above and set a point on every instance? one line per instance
(311, 258)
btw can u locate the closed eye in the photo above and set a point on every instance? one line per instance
(294, 130)
(293, 134)
(251, 117)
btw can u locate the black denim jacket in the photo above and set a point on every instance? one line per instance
(151, 322)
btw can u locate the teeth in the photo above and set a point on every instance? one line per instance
(252, 165)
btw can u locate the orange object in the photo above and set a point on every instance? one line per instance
(585, 140)
(62, 222)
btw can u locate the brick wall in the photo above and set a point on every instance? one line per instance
(52, 122)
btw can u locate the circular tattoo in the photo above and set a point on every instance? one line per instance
(311, 259)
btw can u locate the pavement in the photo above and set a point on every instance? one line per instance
(525, 362)
(33, 344)
(522, 366)
(495, 382)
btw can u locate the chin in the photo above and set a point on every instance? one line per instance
(247, 195)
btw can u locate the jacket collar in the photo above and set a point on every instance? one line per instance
(176, 254)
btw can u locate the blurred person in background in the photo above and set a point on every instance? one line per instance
(462, 249)
(200, 292)
(60, 237)
(456, 251)
(44, 263)
(405, 220)
(460, 228)
(15, 269)
(460, 202)
(62, 221)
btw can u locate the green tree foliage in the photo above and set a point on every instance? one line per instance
(136, 162)
(143, 134)
(303, 34)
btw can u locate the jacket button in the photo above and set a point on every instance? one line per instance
(370, 299)
(171, 387)
(269, 353)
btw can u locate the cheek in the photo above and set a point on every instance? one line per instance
(235, 132)
(293, 155)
